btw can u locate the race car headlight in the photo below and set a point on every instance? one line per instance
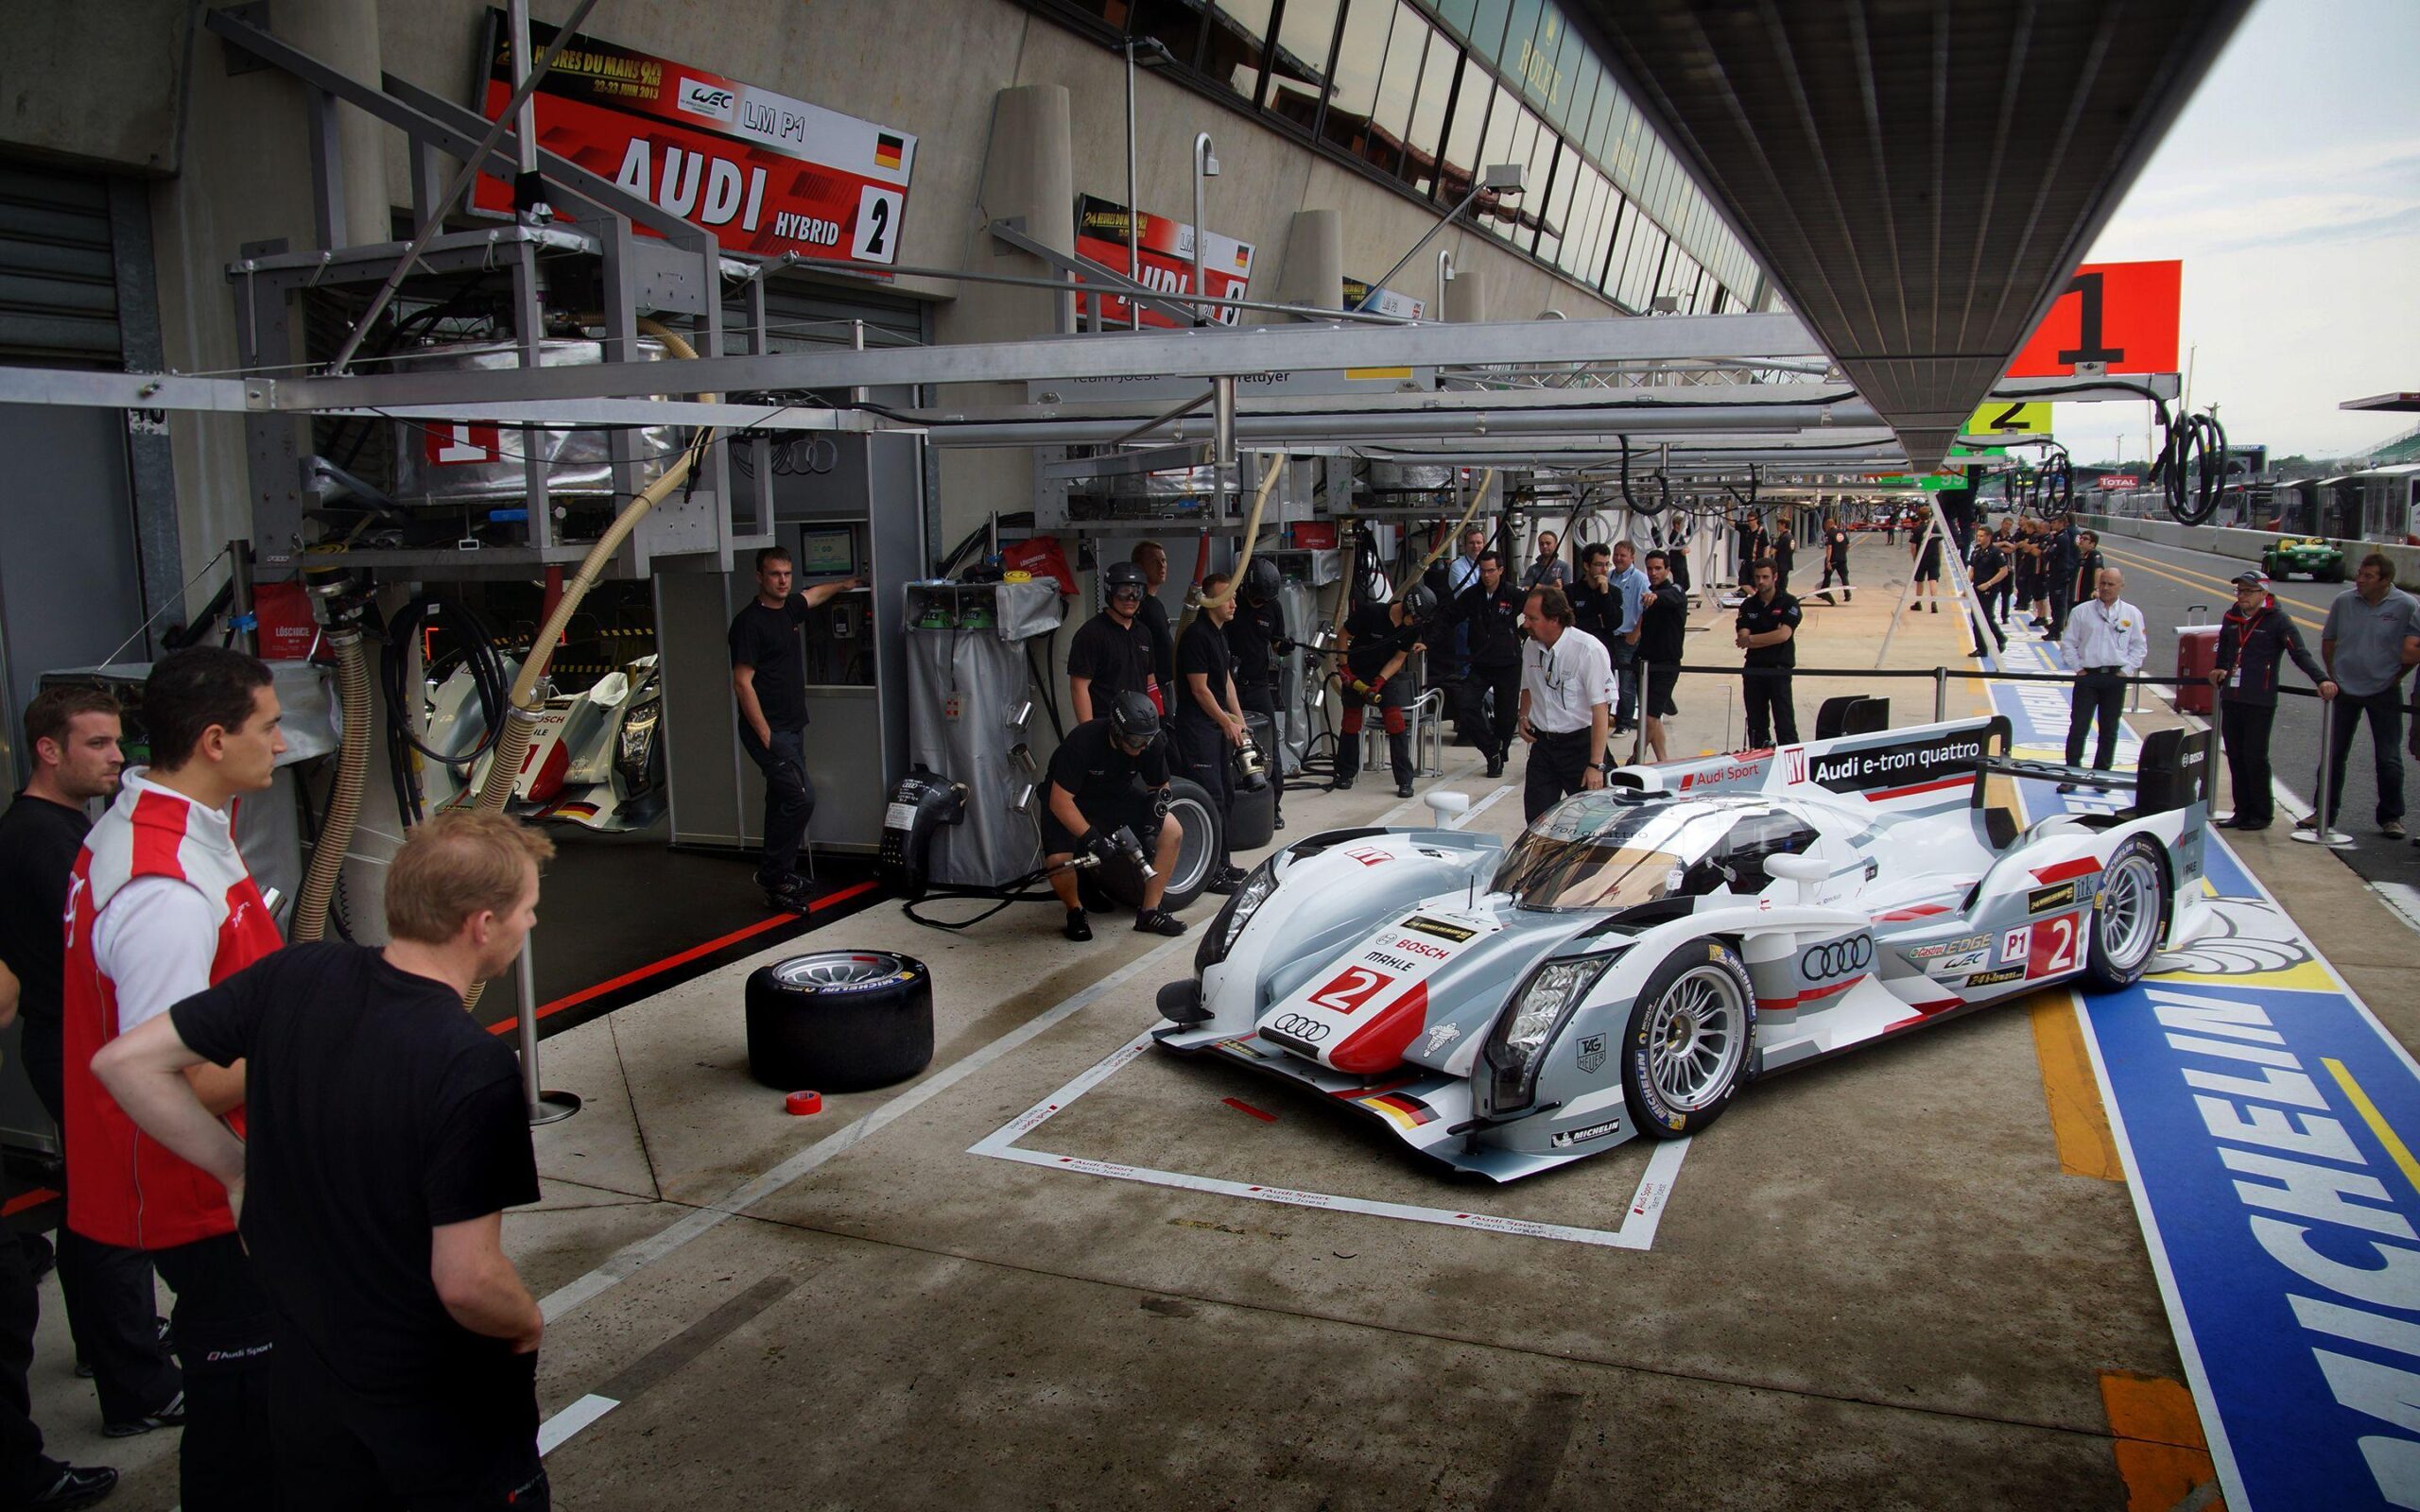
(634, 744)
(1228, 926)
(1528, 1022)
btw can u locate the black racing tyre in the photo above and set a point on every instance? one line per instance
(839, 1021)
(1255, 819)
(1691, 1038)
(1191, 806)
(2128, 918)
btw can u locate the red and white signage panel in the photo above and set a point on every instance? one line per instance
(2120, 315)
(1167, 253)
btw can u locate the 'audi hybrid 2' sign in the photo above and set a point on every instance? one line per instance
(765, 173)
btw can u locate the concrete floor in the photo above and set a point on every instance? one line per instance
(1871, 1285)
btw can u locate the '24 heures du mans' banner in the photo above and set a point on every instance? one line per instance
(1167, 251)
(765, 173)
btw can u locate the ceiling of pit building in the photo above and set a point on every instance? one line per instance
(1918, 176)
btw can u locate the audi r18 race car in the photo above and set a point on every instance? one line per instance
(1642, 952)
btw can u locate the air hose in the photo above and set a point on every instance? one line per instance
(1275, 470)
(2192, 468)
(1478, 496)
(344, 803)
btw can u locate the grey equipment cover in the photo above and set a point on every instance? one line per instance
(964, 684)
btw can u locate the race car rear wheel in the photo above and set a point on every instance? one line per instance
(2128, 921)
(1689, 1039)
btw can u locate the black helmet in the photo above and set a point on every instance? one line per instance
(1419, 602)
(1120, 574)
(1133, 720)
(1262, 580)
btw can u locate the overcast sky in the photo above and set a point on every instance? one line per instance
(2290, 188)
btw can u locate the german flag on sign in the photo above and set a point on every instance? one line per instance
(887, 150)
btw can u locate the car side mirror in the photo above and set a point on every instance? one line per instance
(1445, 806)
(1798, 868)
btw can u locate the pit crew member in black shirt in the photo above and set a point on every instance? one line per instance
(1110, 773)
(1491, 609)
(1209, 715)
(1662, 625)
(1768, 628)
(768, 682)
(1256, 635)
(1110, 653)
(1378, 640)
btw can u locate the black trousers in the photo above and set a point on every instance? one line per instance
(2101, 696)
(224, 1329)
(1558, 763)
(1831, 566)
(2063, 598)
(1261, 699)
(472, 1448)
(1496, 738)
(2243, 729)
(1625, 655)
(111, 1308)
(1987, 621)
(24, 1470)
(789, 797)
(2384, 710)
(1202, 750)
(1772, 718)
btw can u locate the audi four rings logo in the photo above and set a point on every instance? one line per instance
(1839, 958)
(1301, 1026)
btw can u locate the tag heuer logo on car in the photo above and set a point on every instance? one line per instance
(2042, 900)
(1592, 1053)
(1439, 928)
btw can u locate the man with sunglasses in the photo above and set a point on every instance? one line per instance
(1112, 773)
(1111, 652)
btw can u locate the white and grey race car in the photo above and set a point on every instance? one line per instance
(1642, 952)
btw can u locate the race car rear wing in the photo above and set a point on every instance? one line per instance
(1922, 767)
(2175, 768)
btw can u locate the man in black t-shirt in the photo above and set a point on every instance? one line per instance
(1256, 636)
(1153, 558)
(768, 682)
(1378, 640)
(1209, 715)
(2088, 565)
(385, 1135)
(1490, 611)
(1767, 631)
(1110, 653)
(1784, 552)
(1662, 625)
(112, 1301)
(1988, 569)
(1112, 773)
(1835, 558)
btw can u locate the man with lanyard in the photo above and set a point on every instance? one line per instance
(1631, 584)
(2371, 637)
(161, 907)
(388, 1132)
(1110, 653)
(1836, 559)
(2253, 638)
(1566, 703)
(1256, 638)
(1112, 772)
(1548, 569)
(1767, 630)
(1662, 625)
(1987, 566)
(72, 734)
(1785, 554)
(768, 683)
(1153, 558)
(1378, 640)
(2105, 642)
(1209, 713)
(1489, 610)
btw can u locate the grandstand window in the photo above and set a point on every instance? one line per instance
(1460, 166)
(1421, 142)
(1398, 82)
(1234, 51)
(1176, 24)
(1360, 52)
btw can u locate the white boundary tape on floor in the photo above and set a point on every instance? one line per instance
(1637, 1230)
(556, 1430)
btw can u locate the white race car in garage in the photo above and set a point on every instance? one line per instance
(1641, 952)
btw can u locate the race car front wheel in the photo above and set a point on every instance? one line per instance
(1689, 1039)
(2129, 918)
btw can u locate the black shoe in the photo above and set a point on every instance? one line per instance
(1344, 781)
(1403, 789)
(76, 1485)
(1279, 822)
(789, 896)
(1225, 880)
(1158, 922)
(1079, 928)
(1496, 766)
(2068, 787)
(170, 1416)
(2242, 825)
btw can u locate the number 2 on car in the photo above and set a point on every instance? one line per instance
(2057, 945)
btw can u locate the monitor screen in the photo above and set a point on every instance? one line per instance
(826, 551)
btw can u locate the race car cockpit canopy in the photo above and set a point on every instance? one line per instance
(1612, 848)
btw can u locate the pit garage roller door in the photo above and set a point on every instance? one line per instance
(57, 279)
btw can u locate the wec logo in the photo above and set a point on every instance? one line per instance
(715, 101)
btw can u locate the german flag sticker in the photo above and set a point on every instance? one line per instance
(887, 150)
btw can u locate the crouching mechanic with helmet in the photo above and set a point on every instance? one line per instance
(1112, 773)
(1378, 640)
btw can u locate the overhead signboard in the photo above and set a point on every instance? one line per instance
(1359, 295)
(1165, 248)
(2122, 316)
(765, 173)
(2006, 421)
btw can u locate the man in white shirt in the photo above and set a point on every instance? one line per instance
(1566, 703)
(2105, 643)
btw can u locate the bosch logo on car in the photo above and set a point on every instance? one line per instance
(1839, 958)
(1300, 1026)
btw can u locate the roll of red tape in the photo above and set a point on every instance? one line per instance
(805, 1102)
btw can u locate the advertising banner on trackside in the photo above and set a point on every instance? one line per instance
(765, 173)
(1167, 251)
(1358, 295)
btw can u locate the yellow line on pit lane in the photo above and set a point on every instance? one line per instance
(2197, 580)
(2379, 1126)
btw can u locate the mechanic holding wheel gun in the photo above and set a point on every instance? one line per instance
(768, 682)
(1378, 640)
(1256, 634)
(1112, 773)
(1210, 714)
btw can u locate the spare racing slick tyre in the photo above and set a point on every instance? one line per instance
(1191, 806)
(839, 1021)
(2128, 917)
(1691, 1037)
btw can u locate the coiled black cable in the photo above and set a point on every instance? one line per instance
(2192, 468)
(1663, 486)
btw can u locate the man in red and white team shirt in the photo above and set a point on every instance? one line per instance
(161, 907)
